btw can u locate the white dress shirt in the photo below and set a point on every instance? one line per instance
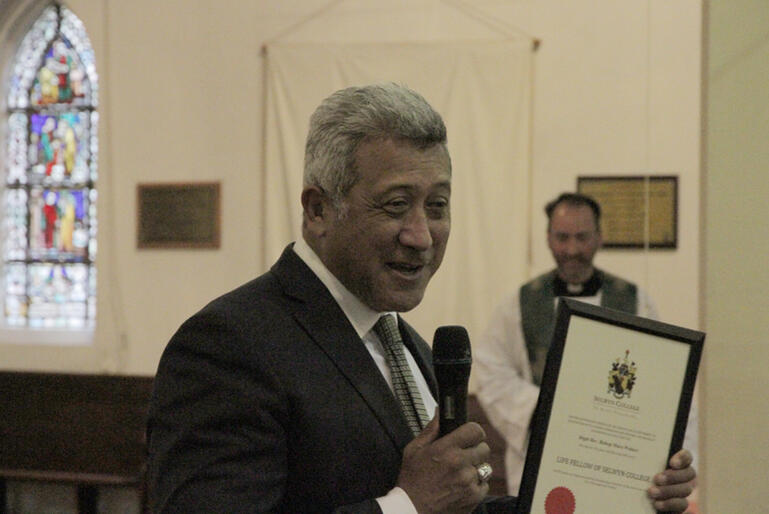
(363, 320)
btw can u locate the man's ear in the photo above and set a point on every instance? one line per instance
(317, 210)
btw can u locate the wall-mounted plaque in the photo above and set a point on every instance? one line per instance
(182, 215)
(636, 211)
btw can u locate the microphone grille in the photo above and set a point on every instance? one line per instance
(451, 343)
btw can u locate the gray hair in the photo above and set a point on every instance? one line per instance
(356, 114)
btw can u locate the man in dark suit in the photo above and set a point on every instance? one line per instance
(290, 394)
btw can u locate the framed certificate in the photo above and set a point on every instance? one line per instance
(612, 410)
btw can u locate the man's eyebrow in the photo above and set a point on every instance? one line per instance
(442, 185)
(411, 187)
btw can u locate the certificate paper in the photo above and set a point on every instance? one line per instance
(612, 409)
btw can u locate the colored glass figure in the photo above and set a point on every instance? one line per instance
(59, 222)
(49, 201)
(56, 150)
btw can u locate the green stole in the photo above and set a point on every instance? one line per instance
(537, 299)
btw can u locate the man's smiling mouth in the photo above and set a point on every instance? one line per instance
(405, 268)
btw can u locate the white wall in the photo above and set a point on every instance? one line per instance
(736, 245)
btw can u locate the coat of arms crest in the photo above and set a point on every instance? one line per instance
(622, 377)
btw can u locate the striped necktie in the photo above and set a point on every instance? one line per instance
(403, 381)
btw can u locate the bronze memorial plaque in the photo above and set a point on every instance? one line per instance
(636, 211)
(182, 215)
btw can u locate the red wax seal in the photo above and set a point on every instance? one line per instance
(560, 501)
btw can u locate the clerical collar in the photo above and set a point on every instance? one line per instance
(588, 288)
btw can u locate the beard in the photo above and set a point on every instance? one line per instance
(575, 270)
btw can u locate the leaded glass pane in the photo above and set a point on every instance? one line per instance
(17, 149)
(94, 146)
(15, 282)
(58, 221)
(58, 295)
(29, 56)
(74, 32)
(15, 224)
(93, 225)
(59, 148)
(49, 202)
(62, 78)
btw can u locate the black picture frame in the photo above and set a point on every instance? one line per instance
(542, 429)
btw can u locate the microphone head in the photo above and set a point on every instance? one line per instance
(451, 344)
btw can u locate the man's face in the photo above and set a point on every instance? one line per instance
(573, 239)
(392, 235)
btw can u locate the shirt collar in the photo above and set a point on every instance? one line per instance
(588, 288)
(359, 314)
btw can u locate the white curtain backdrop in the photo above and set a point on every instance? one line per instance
(482, 90)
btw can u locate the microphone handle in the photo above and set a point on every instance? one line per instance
(452, 396)
(453, 412)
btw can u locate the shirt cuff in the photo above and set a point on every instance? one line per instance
(396, 502)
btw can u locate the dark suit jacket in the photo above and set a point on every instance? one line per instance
(267, 401)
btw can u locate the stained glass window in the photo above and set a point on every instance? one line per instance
(49, 195)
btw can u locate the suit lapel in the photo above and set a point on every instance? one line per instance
(324, 321)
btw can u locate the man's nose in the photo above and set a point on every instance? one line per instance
(415, 232)
(571, 246)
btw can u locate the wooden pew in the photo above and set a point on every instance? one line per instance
(85, 430)
(89, 431)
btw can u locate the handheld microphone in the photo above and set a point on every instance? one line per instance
(452, 360)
